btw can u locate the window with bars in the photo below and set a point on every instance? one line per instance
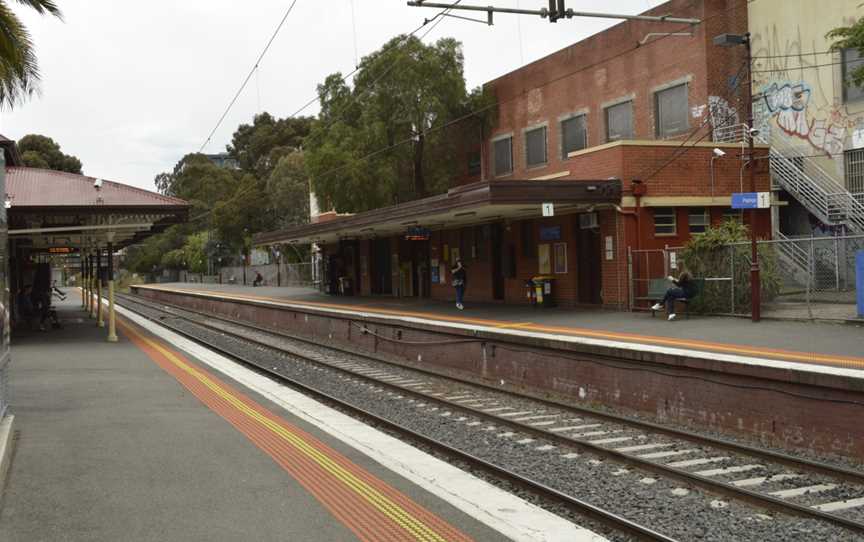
(619, 121)
(574, 135)
(854, 162)
(503, 150)
(851, 61)
(535, 147)
(698, 219)
(664, 221)
(671, 111)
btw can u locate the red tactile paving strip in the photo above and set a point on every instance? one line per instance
(370, 508)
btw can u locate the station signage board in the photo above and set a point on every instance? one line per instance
(418, 233)
(548, 209)
(751, 200)
(61, 250)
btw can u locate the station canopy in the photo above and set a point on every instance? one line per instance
(55, 211)
(476, 203)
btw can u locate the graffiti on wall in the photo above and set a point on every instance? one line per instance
(789, 105)
(721, 112)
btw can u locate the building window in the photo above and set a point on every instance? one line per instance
(535, 147)
(503, 149)
(851, 61)
(664, 221)
(698, 219)
(671, 111)
(529, 244)
(574, 135)
(560, 258)
(619, 121)
(855, 170)
(734, 215)
(474, 167)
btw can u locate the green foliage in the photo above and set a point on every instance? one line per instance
(850, 37)
(400, 92)
(722, 252)
(259, 147)
(19, 71)
(43, 152)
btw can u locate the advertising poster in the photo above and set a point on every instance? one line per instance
(543, 258)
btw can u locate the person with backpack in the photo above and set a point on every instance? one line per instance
(459, 276)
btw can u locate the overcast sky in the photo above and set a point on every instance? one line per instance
(130, 87)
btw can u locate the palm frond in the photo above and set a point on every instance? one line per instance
(19, 72)
(42, 6)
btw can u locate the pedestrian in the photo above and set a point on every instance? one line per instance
(259, 280)
(24, 306)
(685, 288)
(459, 275)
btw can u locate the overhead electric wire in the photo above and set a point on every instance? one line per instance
(793, 55)
(434, 20)
(249, 76)
(547, 83)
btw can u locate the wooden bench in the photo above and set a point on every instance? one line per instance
(657, 290)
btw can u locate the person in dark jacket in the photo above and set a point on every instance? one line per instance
(459, 276)
(684, 288)
(259, 280)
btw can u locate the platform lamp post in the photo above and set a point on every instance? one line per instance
(92, 283)
(83, 285)
(112, 323)
(733, 40)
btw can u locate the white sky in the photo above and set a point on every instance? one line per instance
(130, 87)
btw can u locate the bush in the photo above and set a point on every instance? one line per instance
(716, 254)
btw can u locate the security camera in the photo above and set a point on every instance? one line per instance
(97, 184)
(754, 132)
(719, 153)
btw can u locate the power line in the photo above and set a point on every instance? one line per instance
(793, 55)
(249, 76)
(814, 66)
(547, 83)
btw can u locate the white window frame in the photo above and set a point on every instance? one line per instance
(674, 215)
(706, 215)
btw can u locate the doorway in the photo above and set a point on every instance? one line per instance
(589, 266)
(497, 252)
(380, 272)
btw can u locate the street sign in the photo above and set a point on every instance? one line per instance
(548, 209)
(751, 200)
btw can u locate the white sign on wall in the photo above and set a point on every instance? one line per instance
(548, 209)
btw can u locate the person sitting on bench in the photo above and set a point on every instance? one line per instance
(259, 280)
(685, 288)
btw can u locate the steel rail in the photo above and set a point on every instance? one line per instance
(709, 484)
(599, 514)
(828, 469)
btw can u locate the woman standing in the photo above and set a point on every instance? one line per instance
(458, 272)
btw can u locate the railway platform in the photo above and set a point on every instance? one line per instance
(157, 438)
(793, 385)
(812, 343)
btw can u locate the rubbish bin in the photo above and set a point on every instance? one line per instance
(544, 291)
(530, 293)
(859, 281)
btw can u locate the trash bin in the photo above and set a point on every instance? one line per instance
(859, 281)
(544, 291)
(530, 293)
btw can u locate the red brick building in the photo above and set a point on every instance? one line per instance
(631, 111)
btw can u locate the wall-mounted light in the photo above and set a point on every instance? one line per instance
(8, 202)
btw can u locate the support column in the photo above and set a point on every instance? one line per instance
(100, 320)
(112, 325)
(83, 281)
(92, 286)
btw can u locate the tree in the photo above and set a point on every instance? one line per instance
(19, 71)
(199, 181)
(400, 92)
(259, 147)
(850, 37)
(288, 190)
(43, 152)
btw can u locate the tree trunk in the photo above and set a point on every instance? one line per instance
(419, 183)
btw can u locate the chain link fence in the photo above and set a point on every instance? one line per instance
(801, 278)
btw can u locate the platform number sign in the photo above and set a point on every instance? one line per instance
(548, 209)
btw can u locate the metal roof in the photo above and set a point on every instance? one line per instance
(32, 187)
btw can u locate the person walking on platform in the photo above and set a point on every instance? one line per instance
(684, 288)
(459, 275)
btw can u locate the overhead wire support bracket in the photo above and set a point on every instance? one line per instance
(569, 13)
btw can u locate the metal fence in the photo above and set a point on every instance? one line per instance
(286, 274)
(801, 278)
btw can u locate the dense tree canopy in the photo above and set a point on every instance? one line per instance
(19, 71)
(259, 146)
(399, 93)
(43, 152)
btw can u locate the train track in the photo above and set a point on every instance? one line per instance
(786, 484)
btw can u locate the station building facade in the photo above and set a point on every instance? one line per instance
(619, 132)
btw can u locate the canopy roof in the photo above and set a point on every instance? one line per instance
(59, 209)
(474, 203)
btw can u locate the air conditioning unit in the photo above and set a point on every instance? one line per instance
(588, 221)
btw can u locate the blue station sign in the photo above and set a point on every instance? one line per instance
(751, 200)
